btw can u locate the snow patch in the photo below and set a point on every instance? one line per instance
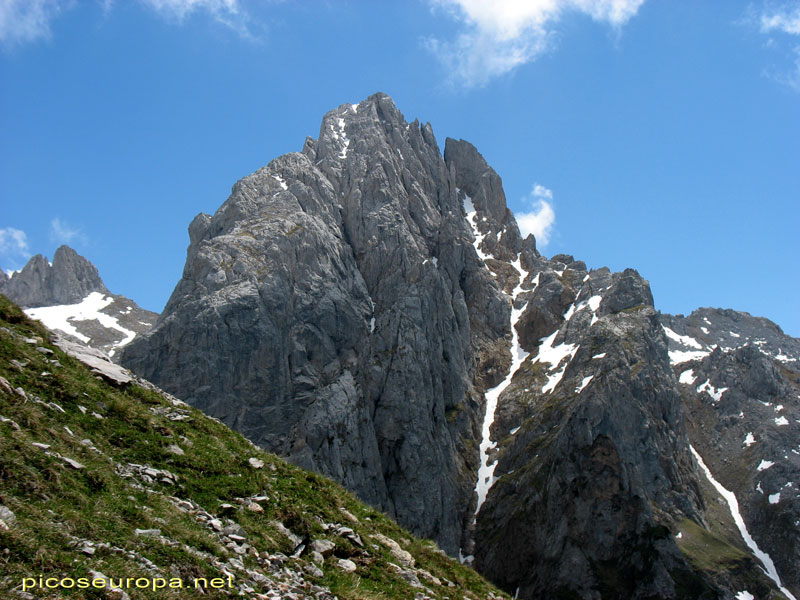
(555, 355)
(716, 394)
(601, 355)
(59, 317)
(677, 357)
(687, 377)
(592, 304)
(684, 340)
(583, 384)
(280, 180)
(764, 465)
(513, 431)
(341, 137)
(749, 440)
(472, 219)
(744, 595)
(774, 498)
(781, 421)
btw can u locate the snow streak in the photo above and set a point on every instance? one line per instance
(486, 471)
(733, 505)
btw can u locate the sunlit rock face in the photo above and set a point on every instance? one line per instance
(367, 308)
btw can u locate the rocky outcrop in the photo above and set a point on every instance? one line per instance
(68, 280)
(69, 296)
(332, 310)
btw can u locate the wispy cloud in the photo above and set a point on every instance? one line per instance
(782, 25)
(62, 232)
(785, 20)
(23, 21)
(229, 13)
(13, 240)
(13, 247)
(541, 218)
(500, 36)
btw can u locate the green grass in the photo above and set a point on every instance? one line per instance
(707, 551)
(56, 505)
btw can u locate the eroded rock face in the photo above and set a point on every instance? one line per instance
(67, 281)
(352, 306)
(332, 310)
(740, 380)
(593, 466)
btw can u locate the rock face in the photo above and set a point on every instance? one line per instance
(368, 309)
(69, 296)
(68, 280)
(332, 310)
(740, 379)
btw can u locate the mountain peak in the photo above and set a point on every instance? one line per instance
(67, 280)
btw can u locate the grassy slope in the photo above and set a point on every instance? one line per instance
(60, 509)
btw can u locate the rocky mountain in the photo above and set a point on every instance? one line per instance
(368, 309)
(740, 379)
(335, 312)
(68, 295)
(112, 489)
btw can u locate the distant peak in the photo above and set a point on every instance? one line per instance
(69, 279)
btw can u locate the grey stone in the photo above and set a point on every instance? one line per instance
(175, 449)
(7, 515)
(346, 565)
(402, 556)
(147, 532)
(324, 547)
(95, 359)
(72, 463)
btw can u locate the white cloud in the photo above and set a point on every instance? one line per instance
(62, 232)
(227, 12)
(13, 241)
(540, 220)
(24, 21)
(504, 34)
(27, 20)
(784, 21)
(180, 8)
(780, 25)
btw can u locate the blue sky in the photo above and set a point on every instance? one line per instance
(663, 136)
